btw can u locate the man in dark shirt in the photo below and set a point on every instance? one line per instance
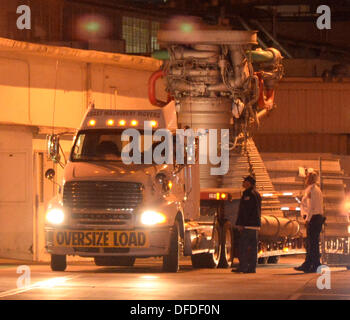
(248, 223)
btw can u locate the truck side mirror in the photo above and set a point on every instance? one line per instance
(50, 174)
(53, 147)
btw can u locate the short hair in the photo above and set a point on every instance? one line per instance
(250, 179)
(313, 175)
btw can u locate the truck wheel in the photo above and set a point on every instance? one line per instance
(58, 262)
(115, 261)
(171, 261)
(226, 256)
(273, 259)
(262, 260)
(209, 260)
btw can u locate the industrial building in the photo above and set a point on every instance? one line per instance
(80, 53)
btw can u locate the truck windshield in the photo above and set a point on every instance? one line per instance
(101, 145)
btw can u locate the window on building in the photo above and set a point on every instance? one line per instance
(140, 35)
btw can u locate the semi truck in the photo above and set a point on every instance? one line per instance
(116, 211)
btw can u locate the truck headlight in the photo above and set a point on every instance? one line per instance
(150, 218)
(55, 216)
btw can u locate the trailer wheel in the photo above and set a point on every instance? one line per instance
(114, 261)
(58, 262)
(262, 260)
(209, 260)
(226, 256)
(171, 261)
(273, 259)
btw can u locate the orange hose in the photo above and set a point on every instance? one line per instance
(152, 89)
(266, 97)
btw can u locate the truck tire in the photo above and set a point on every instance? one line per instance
(262, 260)
(273, 259)
(171, 261)
(114, 261)
(209, 260)
(58, 262)
(226, 255)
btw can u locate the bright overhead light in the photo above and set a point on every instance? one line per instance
(186, 27)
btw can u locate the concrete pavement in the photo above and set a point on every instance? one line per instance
(146, 281)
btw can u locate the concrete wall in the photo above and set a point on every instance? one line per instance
(37, 92)
(16, 192)
(31, 90)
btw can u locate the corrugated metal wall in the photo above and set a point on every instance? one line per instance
(318, 143)
(309, 106)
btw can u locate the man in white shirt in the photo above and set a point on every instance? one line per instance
(312, 212)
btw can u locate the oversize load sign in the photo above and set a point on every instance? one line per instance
(95, 239)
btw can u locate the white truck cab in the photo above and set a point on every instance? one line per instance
(112, 211)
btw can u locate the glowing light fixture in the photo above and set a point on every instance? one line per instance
(110, 122)
(267, 195)
(92, 26)
(55, 216)
(92, 122)
(347, 205)
(186, 27)
(151, 218)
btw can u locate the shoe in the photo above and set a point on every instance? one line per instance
(250, 271)
(237, 270)
(300, 268)
(312, 269)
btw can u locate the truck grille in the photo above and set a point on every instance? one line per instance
(102, 195)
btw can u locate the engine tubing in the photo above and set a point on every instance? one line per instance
(266, 97)
(152, 89)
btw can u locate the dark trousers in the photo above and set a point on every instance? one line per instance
(248, 249)
(314, 228)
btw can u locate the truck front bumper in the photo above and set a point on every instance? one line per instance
(158, 246)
